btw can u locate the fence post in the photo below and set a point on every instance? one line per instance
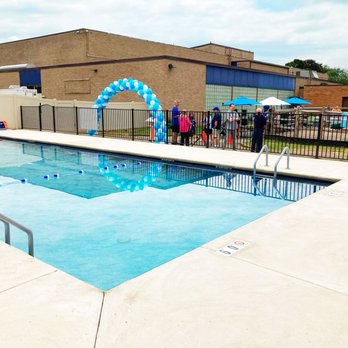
(102, 119)
(167, 127)
(208, 125)
(40, 118)
(132, 124)
(76, 120)
(319, 135)
(297, 122)
(21, 110)
(54, 118)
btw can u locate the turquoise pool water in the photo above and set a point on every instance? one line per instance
(106, 218)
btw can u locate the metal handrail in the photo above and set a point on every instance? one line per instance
(7, 222)
(287, 151)
(264, 148)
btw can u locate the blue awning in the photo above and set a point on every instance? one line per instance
(297, 101)
(242, 101)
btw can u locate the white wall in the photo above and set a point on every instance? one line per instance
(10, 106)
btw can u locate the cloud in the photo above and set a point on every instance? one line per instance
(277, 32)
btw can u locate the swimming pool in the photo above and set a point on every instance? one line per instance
(107, 218)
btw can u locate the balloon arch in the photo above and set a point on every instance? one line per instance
(129, 84)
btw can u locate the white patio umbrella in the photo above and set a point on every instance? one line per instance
(272, 101)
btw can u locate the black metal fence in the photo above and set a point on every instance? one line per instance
(314, 134)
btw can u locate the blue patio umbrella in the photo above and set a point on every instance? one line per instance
(242, 101)
(297, 101)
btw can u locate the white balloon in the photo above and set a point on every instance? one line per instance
(145, 88)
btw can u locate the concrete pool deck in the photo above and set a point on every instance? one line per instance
(288, 287)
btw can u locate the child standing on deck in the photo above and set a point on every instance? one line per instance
(184, 126)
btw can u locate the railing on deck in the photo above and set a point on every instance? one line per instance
(7, 224)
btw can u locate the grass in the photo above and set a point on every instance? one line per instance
(274, 145)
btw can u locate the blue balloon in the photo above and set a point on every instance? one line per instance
(132, 186)
(160, 116)
(131, 84)
(142, 90)
(147, 98)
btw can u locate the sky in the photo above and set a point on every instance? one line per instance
(276, 31)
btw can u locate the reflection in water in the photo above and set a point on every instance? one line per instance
(105, 174)
(129, 184)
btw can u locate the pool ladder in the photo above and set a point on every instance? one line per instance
(264, 148)
(7, 223)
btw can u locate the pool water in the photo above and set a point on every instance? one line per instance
(106, 218)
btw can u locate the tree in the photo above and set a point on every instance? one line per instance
(308, 64)
(337, 75)
(334, 74)
(296, 63)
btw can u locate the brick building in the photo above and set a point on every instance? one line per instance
(327, 95)
(78, 64)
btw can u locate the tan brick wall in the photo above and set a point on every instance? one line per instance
(114, 46)
(321, 76)
(233, 52)
(9, 78)
(185, 82)
(245, 65)
(325, 95)
(48, 50)
(302, 81)
(263, 67)
(87, 46)
(269, 68)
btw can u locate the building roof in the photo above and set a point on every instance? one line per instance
(223, 46)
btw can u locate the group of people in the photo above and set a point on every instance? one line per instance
(183, 124)
(216, 128)
(226, 129)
